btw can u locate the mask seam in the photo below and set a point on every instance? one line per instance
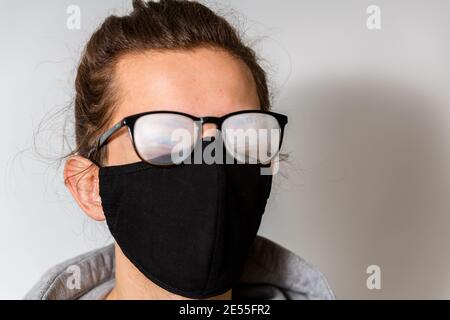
(213, 254)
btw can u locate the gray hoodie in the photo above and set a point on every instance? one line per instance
(271, 273)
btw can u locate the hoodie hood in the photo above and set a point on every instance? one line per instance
(271, 272)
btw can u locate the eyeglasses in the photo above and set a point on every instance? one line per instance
(167, 138)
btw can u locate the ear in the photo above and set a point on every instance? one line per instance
(81, 178)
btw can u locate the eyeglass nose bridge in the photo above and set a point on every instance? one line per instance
(215, 120)
(210, 120)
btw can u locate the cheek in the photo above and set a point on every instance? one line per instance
(121, 150)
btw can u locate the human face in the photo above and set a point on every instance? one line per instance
(200, 82)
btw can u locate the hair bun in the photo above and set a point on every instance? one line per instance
(139, 4)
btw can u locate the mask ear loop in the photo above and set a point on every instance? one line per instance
(91, 158)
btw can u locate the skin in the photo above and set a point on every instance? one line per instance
(201, 82)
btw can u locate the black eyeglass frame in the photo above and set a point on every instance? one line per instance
(130, 122)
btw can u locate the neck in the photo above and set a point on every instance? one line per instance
(131, 284)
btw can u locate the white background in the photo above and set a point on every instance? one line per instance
(368, 179)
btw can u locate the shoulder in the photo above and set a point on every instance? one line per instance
(75, 277)
(278, 273)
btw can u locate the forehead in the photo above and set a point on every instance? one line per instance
(201, 82)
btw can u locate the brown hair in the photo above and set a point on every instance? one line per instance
(163, 25)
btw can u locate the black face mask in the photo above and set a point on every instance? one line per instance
(187, 228)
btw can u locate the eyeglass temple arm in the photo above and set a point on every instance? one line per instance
(284, 119)
(106, 136)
